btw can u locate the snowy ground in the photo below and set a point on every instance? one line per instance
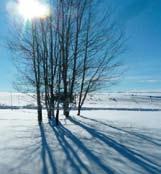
(98, 142)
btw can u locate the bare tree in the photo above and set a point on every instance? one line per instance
(90, 43)
(28, 48)
(72, 52)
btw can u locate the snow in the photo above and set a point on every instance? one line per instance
(98, 142)
(141, 119)
(101, 100)
(16, 99)
(124, 100)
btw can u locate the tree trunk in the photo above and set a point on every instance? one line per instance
(39, 114)
(57, 115)
(49, 114)
(79, 110)
(79, 104)
(39, 107)
(52, 108)
(66, 109)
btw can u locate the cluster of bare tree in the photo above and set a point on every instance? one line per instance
(68, 54)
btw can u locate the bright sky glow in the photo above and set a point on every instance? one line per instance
(31, 9)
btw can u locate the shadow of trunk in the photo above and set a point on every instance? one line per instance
(62, 133)
(134, 157)
(138, 135)
(46, 152)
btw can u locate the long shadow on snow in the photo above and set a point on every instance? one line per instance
(27, 157)
(139, 135)
(46, 150)
(135, 157)
(30, 152)
(61, 132)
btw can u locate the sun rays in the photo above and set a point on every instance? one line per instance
(31, 9)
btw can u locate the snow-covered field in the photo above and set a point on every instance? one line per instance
(103, 140)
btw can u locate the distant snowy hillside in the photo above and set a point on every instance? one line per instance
(16, 99)
(98, 100)
(124, 100)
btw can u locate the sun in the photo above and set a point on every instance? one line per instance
(31, 9)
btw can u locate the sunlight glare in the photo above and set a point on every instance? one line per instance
(31, 9)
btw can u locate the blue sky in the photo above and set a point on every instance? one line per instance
(142, 21)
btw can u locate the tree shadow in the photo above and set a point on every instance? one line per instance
(25, 158)
(46, 151)
(136, 134)
(26, 154)
(62, 134)
(30, 153)
(129, 154)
